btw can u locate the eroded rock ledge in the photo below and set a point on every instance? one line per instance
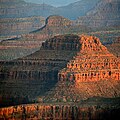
(94, 62)
(77, 67)
(60, 112)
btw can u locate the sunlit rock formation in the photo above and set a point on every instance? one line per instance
(93, 71)
(68, 66)
(94, 62)
(60, 112)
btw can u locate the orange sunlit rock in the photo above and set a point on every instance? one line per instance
(92, 63)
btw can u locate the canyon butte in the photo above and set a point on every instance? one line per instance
(70, 77)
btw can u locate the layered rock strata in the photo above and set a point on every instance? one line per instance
(53, 55)
(93, 63)
(67, 59)
(59, 112)
(38, 72)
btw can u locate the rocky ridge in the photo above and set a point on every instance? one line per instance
(56, 25)
(92, 72)
(70, 97)
(39, 69)
(61, 111)
(76, 64)
(94, 62)
(19, 9)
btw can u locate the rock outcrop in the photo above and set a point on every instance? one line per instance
(17, 9)
(40, 68)
(94, 71)
(70, 64)
(52, 54)
(60, 112)
(92, 63)
(56, 25)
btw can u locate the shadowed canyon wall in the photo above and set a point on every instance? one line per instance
(38, 72)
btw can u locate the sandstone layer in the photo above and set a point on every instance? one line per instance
(71, 67)
(37, 73)
(61, 112)
(94, 62)
(94, 71)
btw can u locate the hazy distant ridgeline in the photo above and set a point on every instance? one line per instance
(19, 8)
(105, 14)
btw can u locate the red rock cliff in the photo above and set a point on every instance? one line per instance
(94, 62)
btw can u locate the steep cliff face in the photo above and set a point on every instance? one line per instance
(54, 25)
(37, 72)
(92, 72)
(57, 25)
(79, 63)
(61, 111)
(94, 62)
(105, 14)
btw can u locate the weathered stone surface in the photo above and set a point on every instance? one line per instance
(56, 25)
(79, 63)
(92, 63)
(38, 72)
(59, 112)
